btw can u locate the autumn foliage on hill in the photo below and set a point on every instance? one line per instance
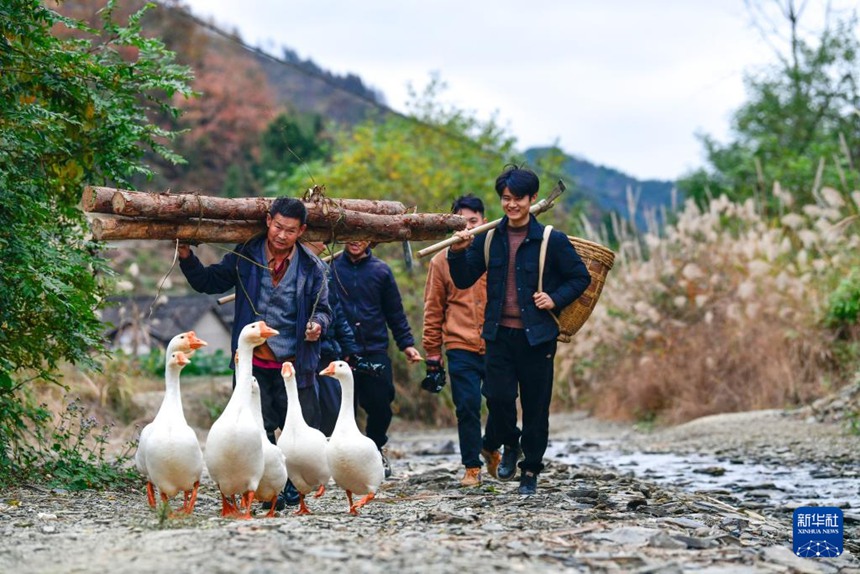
(226, 121)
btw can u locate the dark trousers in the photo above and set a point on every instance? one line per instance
(375, 392)
(513, 365)
(330, 394)
(466, 369)
(273, 399)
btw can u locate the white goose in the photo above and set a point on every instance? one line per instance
(174, 461)
(187, 342)
(274, 468)
(354, 460)
(234, 453)
(303, 446)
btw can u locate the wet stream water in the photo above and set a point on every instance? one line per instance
(743, 483)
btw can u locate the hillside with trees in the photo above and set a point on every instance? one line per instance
(258, 114)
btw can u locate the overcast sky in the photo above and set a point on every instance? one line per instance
(622, 83)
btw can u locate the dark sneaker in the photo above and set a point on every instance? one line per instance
(528, 483)
(492, 458)
(386, 466)
(290, 495)
(279, 504)
(508, 466)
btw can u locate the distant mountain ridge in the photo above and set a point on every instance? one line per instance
(606, 187)
(307, 88)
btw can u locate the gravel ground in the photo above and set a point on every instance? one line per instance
(584, 518)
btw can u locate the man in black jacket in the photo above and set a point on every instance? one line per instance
(519, 326)
(372, 303)
(337, 344)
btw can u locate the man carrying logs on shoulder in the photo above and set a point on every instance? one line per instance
(279, 281)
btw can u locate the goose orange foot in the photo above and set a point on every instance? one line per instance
(228, 507)
(320, 491)
(150, 494)
(274, 503)
(247, 500)
(190, 499)
(353, 509)
(303, 509)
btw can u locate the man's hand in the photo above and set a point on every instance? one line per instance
(543, 301)
(436, 358)
(313, 331)
(466, 239)
(412, 354)
(184, 251)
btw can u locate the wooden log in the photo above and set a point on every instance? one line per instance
(97, 199)
(188, 205)
(348, 226)
(107, 228)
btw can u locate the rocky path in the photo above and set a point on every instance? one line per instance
(586, 517)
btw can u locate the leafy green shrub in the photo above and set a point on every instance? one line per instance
(76, 104)
(217, 363)
(69, 452)
(843, 305)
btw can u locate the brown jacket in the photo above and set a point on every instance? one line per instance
(453, 317)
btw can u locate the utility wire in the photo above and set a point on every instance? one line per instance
(325, 79)
(284, 62)
(233, 38)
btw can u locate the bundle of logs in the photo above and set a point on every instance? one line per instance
(193, 218)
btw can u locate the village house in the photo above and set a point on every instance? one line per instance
(133, 329)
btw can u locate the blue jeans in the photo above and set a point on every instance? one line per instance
(466, 369)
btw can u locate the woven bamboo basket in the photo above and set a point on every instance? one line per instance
(598, 260)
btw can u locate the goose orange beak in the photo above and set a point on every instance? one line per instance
(328, 371)
(182, 359)
(266, 331)
(287, 369)
(195, 342)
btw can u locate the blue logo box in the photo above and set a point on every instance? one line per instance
(818, 532)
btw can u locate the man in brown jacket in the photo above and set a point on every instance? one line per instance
(454, 318)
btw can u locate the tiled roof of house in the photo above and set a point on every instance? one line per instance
(170, 314)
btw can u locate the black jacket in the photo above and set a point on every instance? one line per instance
(339, 340)
(565, 277)
(371, 300)
(242, 270)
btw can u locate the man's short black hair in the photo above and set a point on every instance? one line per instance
(518, 180)
(289, 207)
(468, 202)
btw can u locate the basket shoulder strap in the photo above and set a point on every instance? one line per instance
(542, 260)
(487, 242)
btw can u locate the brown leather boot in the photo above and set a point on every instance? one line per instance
(472, 477)
(492, 458)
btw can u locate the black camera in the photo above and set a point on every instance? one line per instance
(435, 379)
(366, 366)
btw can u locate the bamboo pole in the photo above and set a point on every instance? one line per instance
(537, 208)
